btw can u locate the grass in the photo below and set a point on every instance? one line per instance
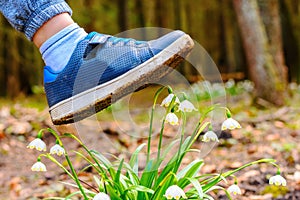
(37, 101)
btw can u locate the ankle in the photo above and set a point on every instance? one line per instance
(57, 50)
(51, 27)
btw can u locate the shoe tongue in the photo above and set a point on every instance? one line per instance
(49, 75)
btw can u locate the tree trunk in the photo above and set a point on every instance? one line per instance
(12, 63)
(2, 67)
(271, 19)
(267, 74)
(291, 30)
(160, 18)
(122, 15)
(139, 10)
(177, 14)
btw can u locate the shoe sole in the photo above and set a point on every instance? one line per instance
(91, 101)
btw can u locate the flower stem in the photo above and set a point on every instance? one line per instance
(221, 177)
(170, 107)
(160, 138)
(58, 164)
(178, 160)
(75, 177)
(103, 173)
(40, 133)
(151, 121)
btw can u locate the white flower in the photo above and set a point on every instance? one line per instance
(172, 119)
(175, 192)
(230, 83)
(246, 85)
(231, 124)
(101, 196)
(57, 149)
(38, 167)
(234, 189)
(277, 180)
(38, 144)
(186, 106)
(210, 136)
(166, 102)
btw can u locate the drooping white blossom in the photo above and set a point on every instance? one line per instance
(101, 196)
(186, 106)
(38, 167)
(234, 189)
(175, 192)
(277, 180)
(210, 136)
(230, 124)
(57, 149)
(172, 119)
(37, 144)
(166, 101)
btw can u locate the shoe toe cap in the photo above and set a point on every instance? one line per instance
(163, 42)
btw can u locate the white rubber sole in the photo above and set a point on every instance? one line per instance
(95, 99)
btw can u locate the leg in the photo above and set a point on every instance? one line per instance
(51, 27)
(27, 16)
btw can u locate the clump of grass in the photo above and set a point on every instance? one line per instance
(126, 180)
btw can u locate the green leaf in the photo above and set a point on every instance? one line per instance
(170, 165)
(168, 168)
(163, 186)
(140, 188)
(97, 180)
(72, 194)
(89, 161)
(134, 179)
(148, 177)
(216, 187)
(197, 186)
(112, 192)
(211, 184)
(132, 176)
(191, 169)
(134, 159)
(88, 192)
(117, 177)
(104, 160)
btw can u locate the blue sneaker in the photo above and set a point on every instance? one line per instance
(103, 68)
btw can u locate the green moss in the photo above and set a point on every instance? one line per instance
(276, 191)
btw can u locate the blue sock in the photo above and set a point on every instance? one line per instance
(57, 50)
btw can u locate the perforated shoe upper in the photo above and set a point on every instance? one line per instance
(98, 59)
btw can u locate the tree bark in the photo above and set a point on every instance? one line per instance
(271, 19)
(139, 10)
(291, 29)
(267, 74)
(160, 18)
(2, 67)
(177, 14)
(122, 15)
(12, 63)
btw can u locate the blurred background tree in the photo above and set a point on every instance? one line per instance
(222, 27)
(261, 33)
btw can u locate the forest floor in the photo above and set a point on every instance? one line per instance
(267, 132)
